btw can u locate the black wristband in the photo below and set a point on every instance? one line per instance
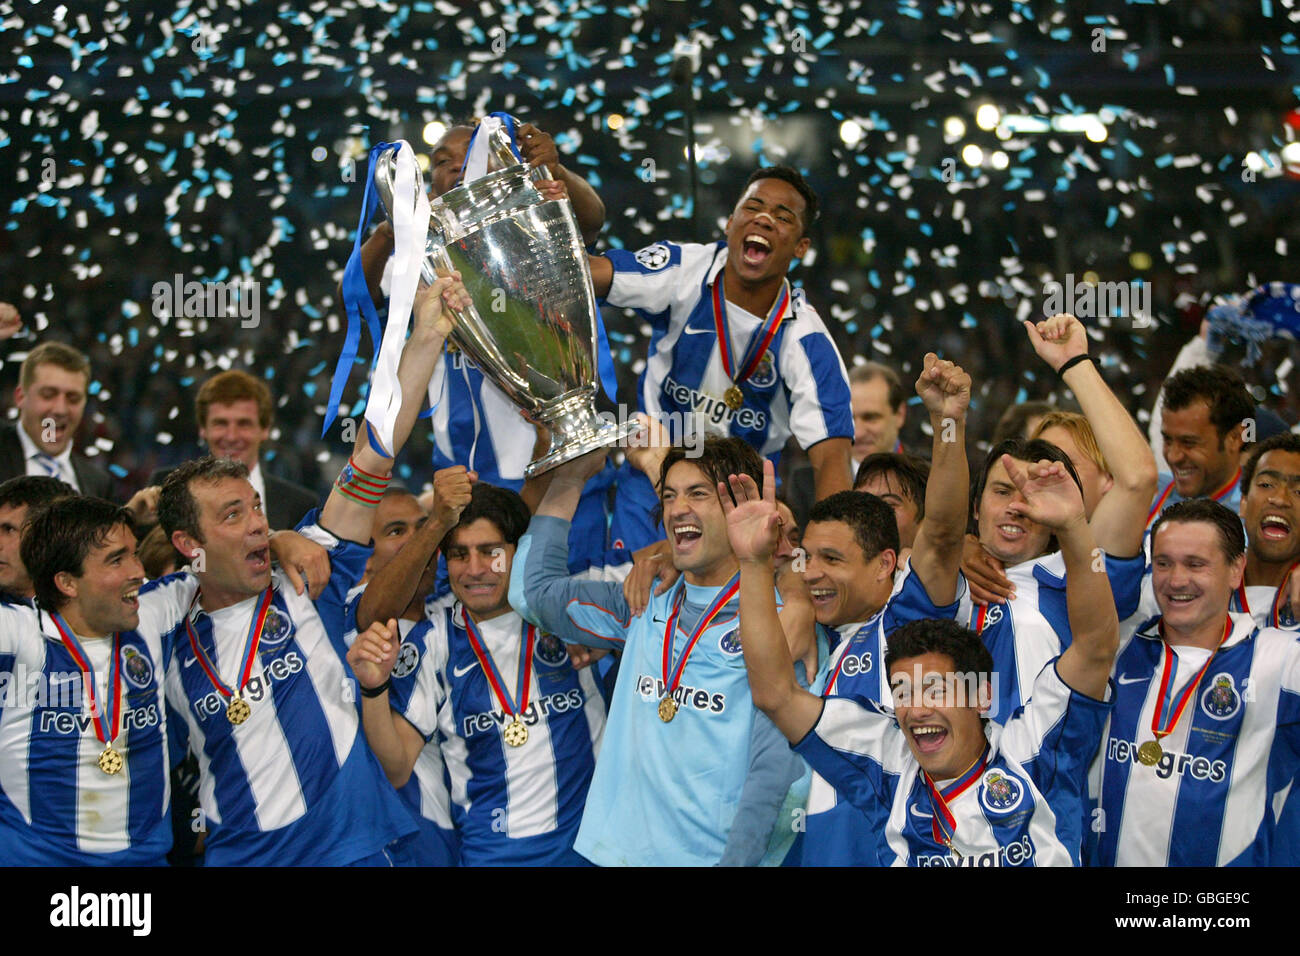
(375, 691)
(1071, 363)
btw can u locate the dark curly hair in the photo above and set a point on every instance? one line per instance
(795, 178)
(1220, 388)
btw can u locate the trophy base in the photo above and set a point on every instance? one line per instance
(575, 430)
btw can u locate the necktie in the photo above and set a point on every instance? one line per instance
(49, 464)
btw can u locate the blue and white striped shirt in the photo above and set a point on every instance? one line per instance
(1023, 634)
(838, 833)
(800, 386)
(56, 806)
(1027, 808)
(1227, 767)
(512, 806)
(295, 784)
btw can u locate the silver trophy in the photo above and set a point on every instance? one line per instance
(531, 327)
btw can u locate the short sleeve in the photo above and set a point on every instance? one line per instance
(857, 746)
(817, 384)
(417, 693)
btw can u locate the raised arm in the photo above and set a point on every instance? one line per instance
(831, 466)
(602, 274)
(391, 589)
(538, 149)
(344, 514)
(578, 611)
(1054, 501)
(1119, 519)
(753, 527)
(391, 737)
(936, 555)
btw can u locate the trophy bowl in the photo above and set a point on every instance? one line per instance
(531, 327)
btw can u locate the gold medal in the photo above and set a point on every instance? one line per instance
(238, 711)
(110, 761)
(516, 734)
(734, 398)
(1150, 753)
(667, 709)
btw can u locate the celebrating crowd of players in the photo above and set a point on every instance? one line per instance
(1065, 657)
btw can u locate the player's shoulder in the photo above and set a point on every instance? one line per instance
(807, 320)
(19, 623)
(416, 648)
(662, 256)
(1285, 641)
(169, 584)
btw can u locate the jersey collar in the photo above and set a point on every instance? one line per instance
(1243, 628)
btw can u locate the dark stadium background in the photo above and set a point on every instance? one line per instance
(1192, 87)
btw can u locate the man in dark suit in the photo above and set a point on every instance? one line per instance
(51, 399)
(234, 417)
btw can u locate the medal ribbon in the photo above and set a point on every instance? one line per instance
(1190, 689)
(1279, 599)
(670, 632)
(106, 726)
(940, 800)
(1226, 489)
(489, 666)
(250, 648)
(758, 342)
(1164, 495)
(982, 613)
(1160, 503)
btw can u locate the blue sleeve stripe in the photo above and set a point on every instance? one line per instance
(832, 389)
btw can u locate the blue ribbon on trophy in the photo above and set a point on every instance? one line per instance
(410, 228)
(356, 296)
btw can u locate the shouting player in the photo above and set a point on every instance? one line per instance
(286, 778)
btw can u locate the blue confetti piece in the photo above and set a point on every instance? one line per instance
(1112, 215)
(117, 470)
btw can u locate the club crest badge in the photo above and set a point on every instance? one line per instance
(1220, 700)
(729, 643)
(1000, 792)
(765, 375)
(277, 629)
(136, 668)
(550, 650)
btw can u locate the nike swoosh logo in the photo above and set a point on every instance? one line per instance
(189, 662)
(923, 816)
(1132, 680)
(687, 330)
(462, 671)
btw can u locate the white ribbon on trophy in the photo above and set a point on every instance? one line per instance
(410, 234)
(478, 156)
